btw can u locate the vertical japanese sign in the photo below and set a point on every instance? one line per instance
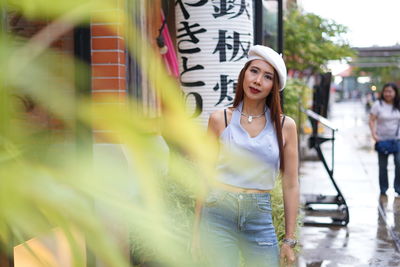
(212, 39)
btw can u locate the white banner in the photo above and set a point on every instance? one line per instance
(212, 41)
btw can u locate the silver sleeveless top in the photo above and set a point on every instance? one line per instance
(248, 162)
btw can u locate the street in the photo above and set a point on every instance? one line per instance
(371, 237)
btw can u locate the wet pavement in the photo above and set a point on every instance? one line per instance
(372, 236)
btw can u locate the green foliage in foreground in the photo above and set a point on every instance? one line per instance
(181, 207)
(50, 179)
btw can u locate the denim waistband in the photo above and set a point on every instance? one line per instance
(241, 195)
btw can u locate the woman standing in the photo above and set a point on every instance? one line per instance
(235, 217)
(384, 121)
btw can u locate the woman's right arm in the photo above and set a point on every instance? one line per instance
(372, 126)
(215, 128)
(195, 248)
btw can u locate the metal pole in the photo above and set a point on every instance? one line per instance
(258, 22)
(83, 81)
(280, 26)
(83, 85)
(333, 151)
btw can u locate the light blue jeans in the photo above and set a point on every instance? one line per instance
(238, 223)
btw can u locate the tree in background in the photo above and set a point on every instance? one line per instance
(54, 183)
(381, 74)
(312, 41)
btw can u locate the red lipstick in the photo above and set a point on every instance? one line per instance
(254, 90)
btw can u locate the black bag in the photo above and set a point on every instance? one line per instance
(390, 146)
(387, 146)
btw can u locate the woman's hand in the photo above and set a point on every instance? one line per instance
(288, 256)
(375, 137)
(372, 126)
(195, 248)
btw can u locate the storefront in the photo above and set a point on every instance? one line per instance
(212, 41)
(204, 45)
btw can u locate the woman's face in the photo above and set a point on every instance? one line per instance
(258, 80)
(388, 94)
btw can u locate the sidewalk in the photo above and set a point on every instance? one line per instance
(369, 238)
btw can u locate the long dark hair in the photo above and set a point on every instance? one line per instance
(396, 101)
(273, 102)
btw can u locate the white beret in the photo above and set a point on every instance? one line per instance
(273, 58)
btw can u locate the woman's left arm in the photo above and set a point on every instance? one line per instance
(290, 187)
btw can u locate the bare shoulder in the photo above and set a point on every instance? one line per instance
(216, 122)
(216, 117)
(289, 125)
(289, 132)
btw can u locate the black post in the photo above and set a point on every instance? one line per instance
(258, 22)
(83, 81)
(83, 85)
(280, 26)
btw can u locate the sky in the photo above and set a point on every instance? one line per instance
(370, 22)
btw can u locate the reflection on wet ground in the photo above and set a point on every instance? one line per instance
(372, 237)
(389, 213)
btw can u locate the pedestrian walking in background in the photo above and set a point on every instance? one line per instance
(235, 217)
(384, 123)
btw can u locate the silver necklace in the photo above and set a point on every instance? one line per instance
(251, 117)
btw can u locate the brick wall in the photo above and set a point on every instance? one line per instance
(108, 53)
(108, 60)
(109, 66)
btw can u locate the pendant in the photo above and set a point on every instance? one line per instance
(250, 119)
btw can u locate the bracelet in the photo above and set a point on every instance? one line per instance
(291, 242)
